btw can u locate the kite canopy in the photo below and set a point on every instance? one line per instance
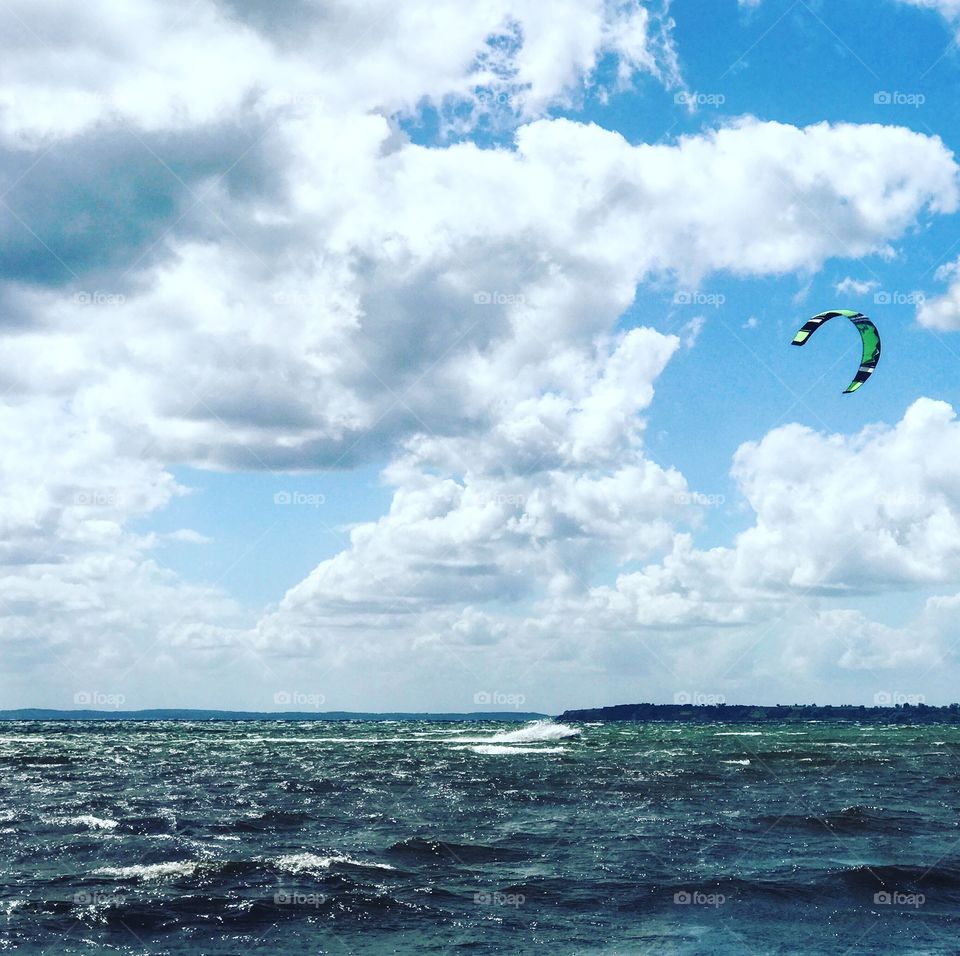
(868, 333)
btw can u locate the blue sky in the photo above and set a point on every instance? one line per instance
(267, 438)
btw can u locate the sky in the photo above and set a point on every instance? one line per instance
(436, 356)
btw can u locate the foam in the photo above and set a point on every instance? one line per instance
(311, 862)
(150, 871)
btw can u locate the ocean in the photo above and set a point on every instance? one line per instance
(403, 837)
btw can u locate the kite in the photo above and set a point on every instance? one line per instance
(868, 333)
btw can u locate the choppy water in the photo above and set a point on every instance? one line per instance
(402, 837)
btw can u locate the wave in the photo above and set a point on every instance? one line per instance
(266, 821)
(493, 749)
(943, 876)
(539, 730)
(855, 819)
(89, 821)
(292, 864)
(297, 863)
(151, 871)
(417, 848)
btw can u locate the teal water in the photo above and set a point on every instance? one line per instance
(417, 837)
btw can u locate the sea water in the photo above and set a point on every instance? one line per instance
(476, 838)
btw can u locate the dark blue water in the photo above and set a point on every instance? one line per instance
(392, 837)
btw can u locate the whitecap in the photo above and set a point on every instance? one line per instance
(150, 871)
(507, 749)
(540, 731)
(89, 821)
(310, 862)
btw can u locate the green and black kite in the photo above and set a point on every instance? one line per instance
(868, 333)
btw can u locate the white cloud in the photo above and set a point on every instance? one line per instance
(849, 640)
(835, 516)
(948, 8)
(68, 68)
(942, 312)
(361, 325)
(343, 294)
(851, 286)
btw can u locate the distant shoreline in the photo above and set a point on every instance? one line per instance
(40, 713)
(905, 713)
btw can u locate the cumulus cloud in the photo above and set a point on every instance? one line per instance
(948, 8)
(331, 329)
(851, 286)
(263, 272)
(69, 68)
(835, 517)
(942, 312)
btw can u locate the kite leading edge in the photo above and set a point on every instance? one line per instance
(868, 334)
